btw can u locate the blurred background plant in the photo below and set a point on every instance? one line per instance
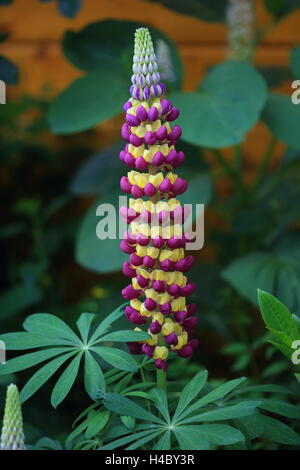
(60, 144)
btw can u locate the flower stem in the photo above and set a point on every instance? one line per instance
(161, 379)
(264, 163)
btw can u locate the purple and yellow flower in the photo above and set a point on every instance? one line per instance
(155, 242)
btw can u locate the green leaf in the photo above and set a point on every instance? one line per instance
(84, 324)
(111, 41)
(276, 315)
(107, 322)
(89, 101)
(270, 428)
(140, 442)
(280, 408)
(109, 256)
(99, 174)
(65, 381)
(117, 358)
(245, 408)
(29, 360)
(18, 298)
(270, 272)
(164, 442)
(50, 326)
(125, 440)
(189, 392)
(22, 340)
(295, 61)
(161, 401)
(96, 423)
(94, 381)
(128, 421)
(124, 406)
(269, 388)
(207, 10)
(220, 113)
(42, 375)
(221, 434)
(125, 336)
(214, 395)
(281, 116)
(191, 438)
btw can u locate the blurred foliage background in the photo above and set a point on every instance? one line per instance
(60, 139)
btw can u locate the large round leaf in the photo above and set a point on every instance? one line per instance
(283, 117)
(89, 100)
(226, 106)
(103, 256)
(111, 40)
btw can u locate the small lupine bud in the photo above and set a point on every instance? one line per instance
(173, 290)
(146, 215)
(171, 157)
(163, 217)
(158, 242)
(155, 327)
(134, 348)
(132, 120)
(150, 304)
(128, 270)
(180, 265)
(175, 133)
(130, 238)
(172, 339)
(137, 318)
(191, 309)
(162, 133)
(161, 364)
(173, 243)
(142, 281)
(189, 261)
(180, 158)
(136, 191)
(127, 106)
(129, 160)
(178, 185)
(126, 248)
(167, 265)
(150, 138)
(180, 316)
(190, 323)
(150, 190)
(149, 262)
(125, 132)
(12, 436)
(141, 113)
(158, 286)
(194, 343)
(148, 350)
(165, 186)
(158, 159)
(166, 308)
(125, 185)
(165, 106)
(173, 114)
(185, 351)
(136, 260)
(153, 114)
(142, 239)
(140, 163)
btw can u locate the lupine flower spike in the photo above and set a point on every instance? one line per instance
(12, 437)
(158, 288)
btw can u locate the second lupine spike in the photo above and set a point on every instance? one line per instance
(157, 263)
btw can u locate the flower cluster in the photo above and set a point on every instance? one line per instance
(240, 18)
(12, 437)
(155, 241)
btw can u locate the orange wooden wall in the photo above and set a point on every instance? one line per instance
(37, 28)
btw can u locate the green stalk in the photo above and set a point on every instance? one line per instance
(264, 164)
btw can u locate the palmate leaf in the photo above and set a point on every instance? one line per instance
(44, 330)
(245, 408)
(190, 391)
(260, 425)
